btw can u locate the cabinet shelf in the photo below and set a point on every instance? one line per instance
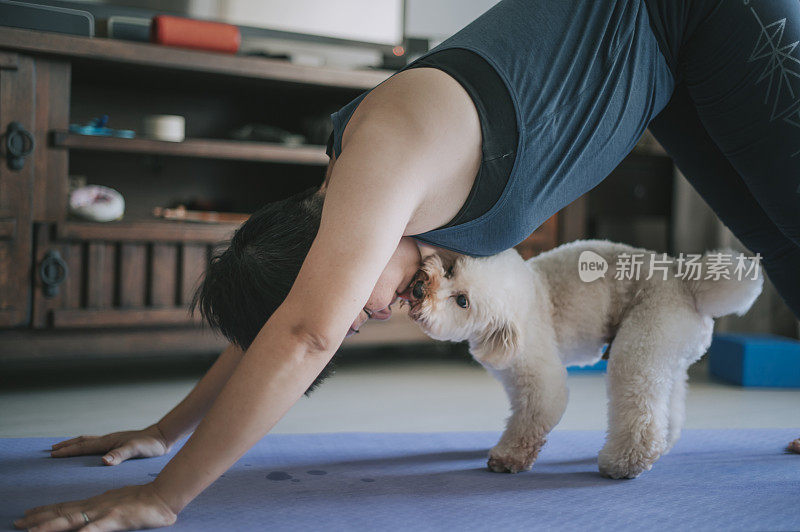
(201, 148)
(145, 231)
(164, 57)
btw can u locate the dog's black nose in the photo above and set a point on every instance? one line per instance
(418, 290)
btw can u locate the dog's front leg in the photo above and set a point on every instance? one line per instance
(645, 410)
(537, 390)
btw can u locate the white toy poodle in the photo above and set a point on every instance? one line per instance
(526, 320)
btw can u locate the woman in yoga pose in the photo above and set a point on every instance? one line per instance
(470, 149)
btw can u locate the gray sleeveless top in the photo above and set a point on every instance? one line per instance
(585, 76)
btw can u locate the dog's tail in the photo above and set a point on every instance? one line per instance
(728, 282)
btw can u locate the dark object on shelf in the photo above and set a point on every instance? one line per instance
(97, 127)
(415, 47)
(195, 34)
(125, 28)
(264, 133)
(317, 128)
(206, 204)
(46, 18)
(267, 55)
(182, 213)
(19, 144)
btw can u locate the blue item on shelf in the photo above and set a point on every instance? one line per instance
(755, 360)
(97, 127)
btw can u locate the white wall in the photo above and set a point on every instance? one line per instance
(439, 19)
(378, 21)
(366, 20)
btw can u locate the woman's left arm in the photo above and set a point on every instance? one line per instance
(363, 219)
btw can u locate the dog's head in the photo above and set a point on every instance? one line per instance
(455, 297)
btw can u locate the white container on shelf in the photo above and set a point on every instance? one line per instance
(96, 203)
(171, 128)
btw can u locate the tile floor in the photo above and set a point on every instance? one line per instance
(407, 395)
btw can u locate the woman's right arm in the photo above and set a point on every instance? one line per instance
(157, 439)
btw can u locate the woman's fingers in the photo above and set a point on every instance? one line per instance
(70, 521)
(128, 508)
(120, 454)
(60, 508)
(116, 448)
(794, 446)
(62, 514)
(93, 445)
(107, 523)
(65, 443)
(144, 447)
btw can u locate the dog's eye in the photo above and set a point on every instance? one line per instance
(461, 301)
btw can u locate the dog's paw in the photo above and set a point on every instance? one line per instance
(508, 464)
(512, 459)
(627, 464)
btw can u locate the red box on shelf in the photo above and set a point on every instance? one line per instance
(196, 34)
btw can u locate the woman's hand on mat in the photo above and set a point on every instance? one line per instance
(128, 508)
(118, 446)
(794, 446)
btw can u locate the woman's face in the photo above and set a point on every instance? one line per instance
(394, 280)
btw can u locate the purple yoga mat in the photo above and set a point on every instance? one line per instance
(712, 480)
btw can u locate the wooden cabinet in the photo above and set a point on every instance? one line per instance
(16, 184)
(121, 274)
(75, 288)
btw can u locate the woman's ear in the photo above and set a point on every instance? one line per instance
(498, 345)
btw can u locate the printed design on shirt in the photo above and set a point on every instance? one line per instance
(781, 70)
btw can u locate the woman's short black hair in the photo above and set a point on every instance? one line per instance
(247, 281)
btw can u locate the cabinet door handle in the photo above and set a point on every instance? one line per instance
(52, 272)
(19, 144)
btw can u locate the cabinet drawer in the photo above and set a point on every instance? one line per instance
(135, 275)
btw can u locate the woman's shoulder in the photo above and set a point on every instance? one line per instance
(424, 122)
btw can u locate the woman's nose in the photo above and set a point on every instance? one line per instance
(418, 290)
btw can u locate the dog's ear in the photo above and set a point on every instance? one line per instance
(497, 346)
(448, 258)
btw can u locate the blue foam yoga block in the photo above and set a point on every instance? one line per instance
(755, 360)
(599, 366)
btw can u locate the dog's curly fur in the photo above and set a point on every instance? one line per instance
(526, 321)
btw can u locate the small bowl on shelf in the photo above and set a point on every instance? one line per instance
(96, 203)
